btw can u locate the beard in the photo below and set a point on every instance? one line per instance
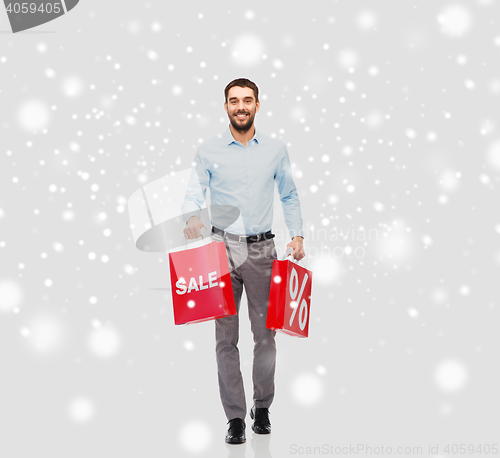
(242, 126)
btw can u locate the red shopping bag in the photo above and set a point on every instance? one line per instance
(201, 284)
(289, 299)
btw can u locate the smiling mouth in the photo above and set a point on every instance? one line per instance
(241, 116)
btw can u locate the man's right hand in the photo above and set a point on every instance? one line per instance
(193, 228)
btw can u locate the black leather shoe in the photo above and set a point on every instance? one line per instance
(261, 425)
(236, 432)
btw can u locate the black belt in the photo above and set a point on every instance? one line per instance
(244, 238)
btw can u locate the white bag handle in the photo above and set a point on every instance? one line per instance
(205, 240)
(288, 254)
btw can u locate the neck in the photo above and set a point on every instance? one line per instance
(242, 137)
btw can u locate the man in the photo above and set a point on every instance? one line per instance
(240, 168)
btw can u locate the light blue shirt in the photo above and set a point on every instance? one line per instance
(244, 177)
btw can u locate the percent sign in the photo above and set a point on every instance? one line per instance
(294, 284)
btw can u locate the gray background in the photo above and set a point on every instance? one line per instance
(390, 113)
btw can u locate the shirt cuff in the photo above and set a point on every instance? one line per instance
(190, 209)
(294, 232)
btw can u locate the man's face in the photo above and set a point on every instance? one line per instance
(241, 100)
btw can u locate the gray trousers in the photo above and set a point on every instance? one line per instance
(251, 267)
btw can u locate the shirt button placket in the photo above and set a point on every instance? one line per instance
(245, 152)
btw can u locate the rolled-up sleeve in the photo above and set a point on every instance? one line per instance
(197, 188)
(288, 194)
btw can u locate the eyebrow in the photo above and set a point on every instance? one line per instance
(247, 97)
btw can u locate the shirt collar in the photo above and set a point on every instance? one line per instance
(227, 136)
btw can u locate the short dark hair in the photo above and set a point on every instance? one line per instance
(243, 82)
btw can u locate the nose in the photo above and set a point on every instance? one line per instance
(240, 107)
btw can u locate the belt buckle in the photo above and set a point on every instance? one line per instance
(239, 237)
(251, 237)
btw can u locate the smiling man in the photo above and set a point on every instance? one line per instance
(241, 168)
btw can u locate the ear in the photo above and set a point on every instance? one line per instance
(257, 106)
(225, 106)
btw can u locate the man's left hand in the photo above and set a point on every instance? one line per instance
(298, 248)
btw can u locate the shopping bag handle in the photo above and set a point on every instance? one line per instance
(197, 242)
(288, 253)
